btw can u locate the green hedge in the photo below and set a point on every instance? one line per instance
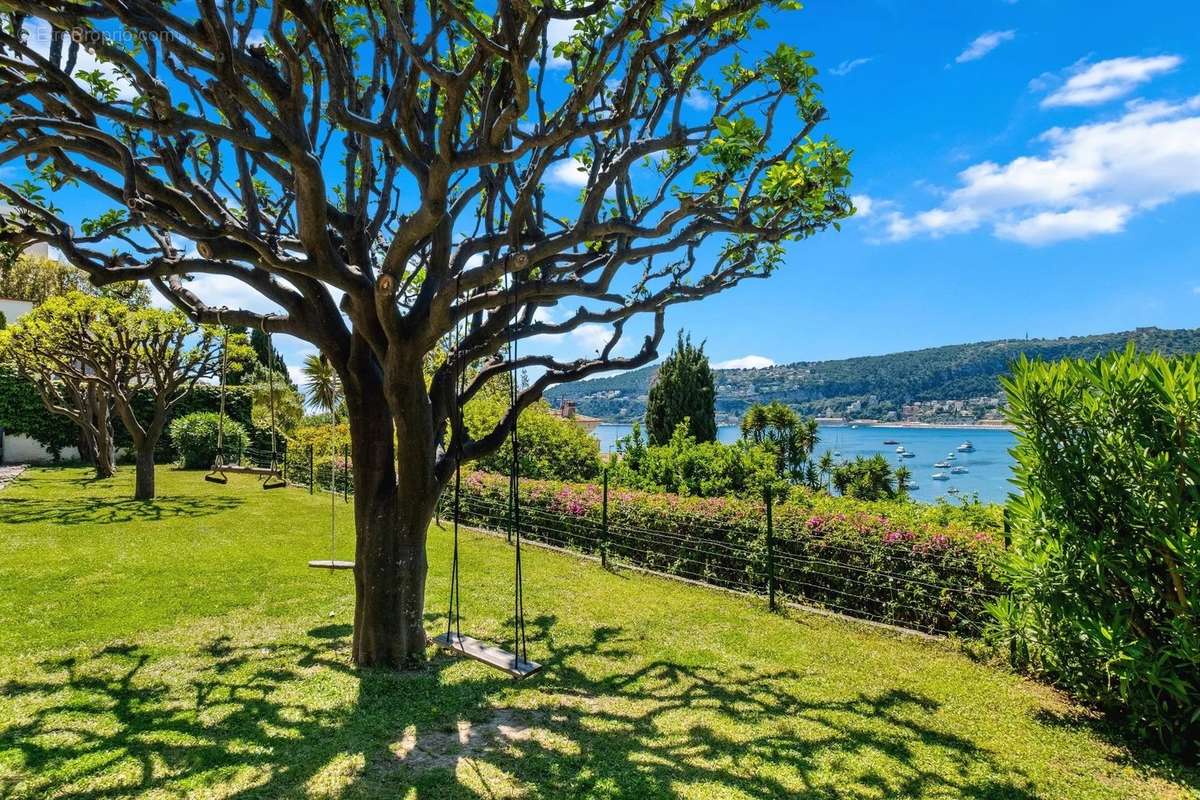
(930, 568)
(22, 413)
(195, 436)
(1105, 564)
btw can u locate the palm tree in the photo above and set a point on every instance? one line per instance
(323, 388)
(903, 478)
(826, 465)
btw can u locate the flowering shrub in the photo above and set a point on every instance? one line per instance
(923, 567)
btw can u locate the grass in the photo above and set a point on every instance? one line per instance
(182, 648)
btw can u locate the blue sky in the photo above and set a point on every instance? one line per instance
(1021, 167)
(1090, 229)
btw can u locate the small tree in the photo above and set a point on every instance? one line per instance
(788, 435)
(866, 478)
(682, 390)
(64, 388)
(77, 343)
(322, 388)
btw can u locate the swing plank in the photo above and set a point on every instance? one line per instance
(238, 469)
(487, 654)
(325, 563)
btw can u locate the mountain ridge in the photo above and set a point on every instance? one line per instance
(946, 383)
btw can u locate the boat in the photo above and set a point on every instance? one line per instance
(951, 457)
(907, 454)
(912, 487)
(942, 465)
(900, 449)
(958, 470)
(941, 476)
(890, 441)
(837, 453)
(966, 447)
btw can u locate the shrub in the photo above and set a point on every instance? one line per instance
(195, 438)
(549, 447)
(704, 469)
(898, 562)
(866, 478)
(1105, 566)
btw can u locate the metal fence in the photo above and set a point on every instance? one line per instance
(934, 587)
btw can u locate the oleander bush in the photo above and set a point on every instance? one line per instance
(194, 437)
(1105, 563)
(925, 567)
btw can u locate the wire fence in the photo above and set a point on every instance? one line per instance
(934, 584)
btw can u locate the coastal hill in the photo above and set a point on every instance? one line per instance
(954, 383)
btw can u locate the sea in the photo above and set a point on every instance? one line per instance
(989, 467)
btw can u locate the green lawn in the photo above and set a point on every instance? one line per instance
(183, 648)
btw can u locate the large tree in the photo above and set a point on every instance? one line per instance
(145, 360)
(378, 171)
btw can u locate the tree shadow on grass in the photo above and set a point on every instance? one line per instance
(281, 719)
(1140, 755)
(107, 511)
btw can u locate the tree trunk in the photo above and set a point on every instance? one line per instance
(393, 506)
(104, 456)
(144, 481)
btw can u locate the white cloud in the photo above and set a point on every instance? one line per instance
(862, 205)
(846, 67)
(984, 43)
(700, 101)
(38, 36)
(222, 291)
(1093, 179)
(745, 362)
(569, 173)
(558, 31)
(1092, 84)
(1056, 226)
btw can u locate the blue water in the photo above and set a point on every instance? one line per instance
(990, 466)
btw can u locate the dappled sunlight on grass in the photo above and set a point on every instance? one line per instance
(650, 688)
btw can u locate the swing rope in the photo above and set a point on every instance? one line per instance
(514, 486)
(262, 326)
(454, 612)
(221, 412)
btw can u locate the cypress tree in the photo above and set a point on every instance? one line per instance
(683, 389)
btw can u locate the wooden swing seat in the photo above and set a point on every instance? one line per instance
(325, 563)
(487, 654)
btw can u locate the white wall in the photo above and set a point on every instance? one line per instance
(22, 449)
(25, 450)
(14, 309)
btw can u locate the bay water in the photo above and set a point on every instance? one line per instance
(989, 467)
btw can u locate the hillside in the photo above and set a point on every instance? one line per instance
(958, 382)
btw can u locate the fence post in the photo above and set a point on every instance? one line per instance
(311, 472)
(285, 472)
(604, 524)
(1012, 640)
(345, 473)
(770, 551)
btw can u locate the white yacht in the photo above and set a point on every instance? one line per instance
(966, 447)
(907, 454)
(958, 470)
(942, 465)
(941, 476)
